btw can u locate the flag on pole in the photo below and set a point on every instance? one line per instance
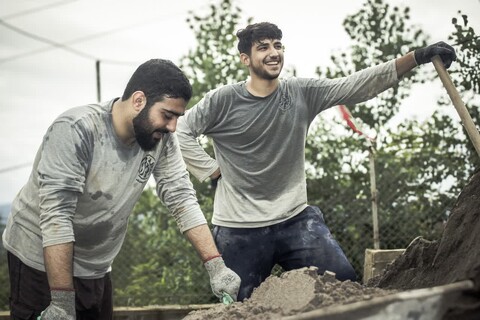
(347, 116)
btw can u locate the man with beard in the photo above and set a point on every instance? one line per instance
(69, 221)
(259, 127)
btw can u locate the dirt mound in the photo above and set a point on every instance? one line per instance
(455, 257)
(292, 293)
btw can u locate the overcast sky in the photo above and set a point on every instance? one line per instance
(39, 79)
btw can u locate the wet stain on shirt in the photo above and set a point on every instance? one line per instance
(98, 194)
(91, 235)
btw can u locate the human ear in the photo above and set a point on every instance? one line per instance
(139, 100)
(245, 59)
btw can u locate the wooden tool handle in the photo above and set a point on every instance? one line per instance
(467, 121)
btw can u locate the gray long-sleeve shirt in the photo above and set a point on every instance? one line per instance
(259, 143)
(83, 187)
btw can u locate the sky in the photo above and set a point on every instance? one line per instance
(48, 50)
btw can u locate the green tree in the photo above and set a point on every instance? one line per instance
(420, 167)
(158, 264)
(214, 61)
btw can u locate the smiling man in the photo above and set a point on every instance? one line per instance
(259, 129)
(69, 221)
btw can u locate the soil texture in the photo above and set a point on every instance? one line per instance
(292, 293)
(452, 258)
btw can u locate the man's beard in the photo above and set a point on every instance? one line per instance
(264, 74)
(144, 131)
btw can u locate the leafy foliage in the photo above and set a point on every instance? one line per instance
(159, 265)
(214, 61)
(421, 167)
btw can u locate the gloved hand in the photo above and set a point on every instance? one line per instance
(62, 306)
(445, 51)
(222, 278)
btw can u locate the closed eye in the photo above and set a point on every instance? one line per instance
(168, 115)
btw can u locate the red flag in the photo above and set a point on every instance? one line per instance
(349, 119)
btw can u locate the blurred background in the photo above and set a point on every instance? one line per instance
(59, 54)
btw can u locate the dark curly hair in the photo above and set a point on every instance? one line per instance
(256, 32)
(158, 79)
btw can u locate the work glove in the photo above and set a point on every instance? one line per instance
(62, 306)
(445, 51)
(223, 280)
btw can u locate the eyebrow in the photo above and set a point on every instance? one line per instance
(173, 112)
(266, 42)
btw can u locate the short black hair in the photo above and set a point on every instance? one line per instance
(158, 79)
(256, 32)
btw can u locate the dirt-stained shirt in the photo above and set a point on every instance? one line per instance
(259, 142)
(83, 187)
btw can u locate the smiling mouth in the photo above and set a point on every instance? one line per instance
(273, 63)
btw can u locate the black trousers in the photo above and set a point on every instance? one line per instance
(30, 294)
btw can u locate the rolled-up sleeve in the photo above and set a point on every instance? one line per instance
(61, 178)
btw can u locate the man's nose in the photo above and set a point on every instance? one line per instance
(274, 52)
(172, 124)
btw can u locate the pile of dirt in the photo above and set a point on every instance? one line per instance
(455, 257)
(292, 293)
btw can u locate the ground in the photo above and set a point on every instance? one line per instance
(452, 258)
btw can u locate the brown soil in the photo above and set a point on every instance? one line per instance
(292, 293)
(455, 257)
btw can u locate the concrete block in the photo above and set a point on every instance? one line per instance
(376, 260)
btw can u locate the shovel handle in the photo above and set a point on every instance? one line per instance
(467, 121)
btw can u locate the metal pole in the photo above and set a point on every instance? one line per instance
(99, 89)
(373, 191)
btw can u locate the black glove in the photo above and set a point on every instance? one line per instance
(445, 51)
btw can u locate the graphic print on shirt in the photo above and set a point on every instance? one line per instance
(146, 168)
(285, 100)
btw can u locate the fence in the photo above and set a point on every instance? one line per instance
(168, 272)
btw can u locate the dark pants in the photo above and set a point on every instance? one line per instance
(301, 241)
(30, 294)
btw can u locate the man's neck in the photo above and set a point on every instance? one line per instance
(262, 87)
(122, 123)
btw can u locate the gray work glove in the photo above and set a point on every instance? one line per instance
(222, 279)
(62, 306)
(445, 51)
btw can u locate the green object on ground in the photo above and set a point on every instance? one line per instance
(226, 298)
